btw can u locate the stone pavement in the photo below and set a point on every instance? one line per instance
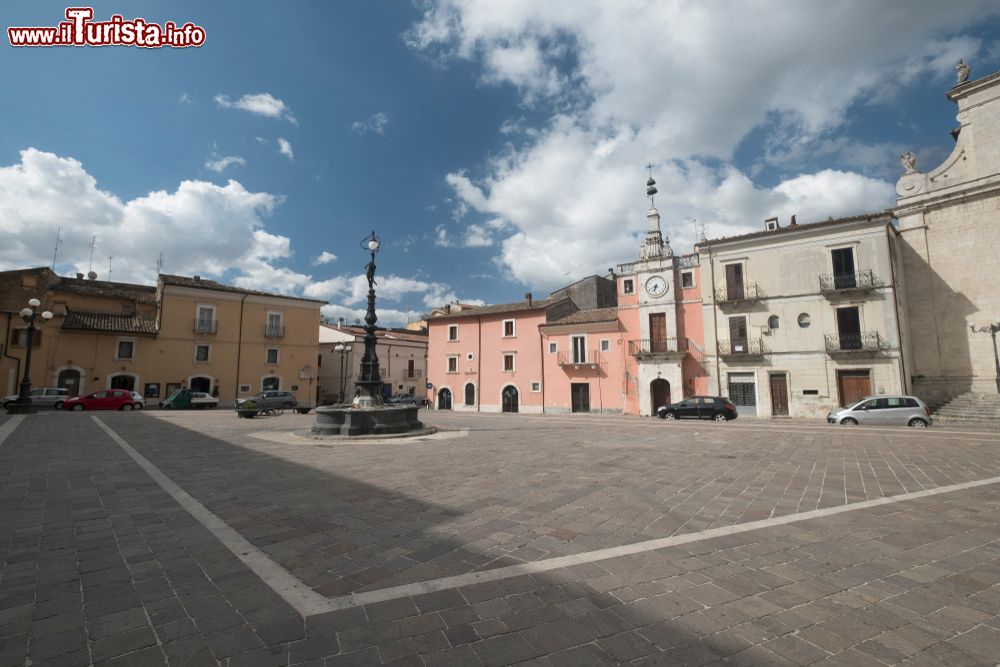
(102, 566)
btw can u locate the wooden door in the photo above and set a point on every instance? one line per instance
(849, 328)
(580, 396)
(779, 395)
(658, 332)
(853, 386)
(843, 268)
(734, 281)
(659, 391)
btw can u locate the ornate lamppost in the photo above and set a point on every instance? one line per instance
(369, 382)
(29, 315)
(343, 350)
(992, 330)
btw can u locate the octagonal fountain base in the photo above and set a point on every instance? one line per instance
(379, 420)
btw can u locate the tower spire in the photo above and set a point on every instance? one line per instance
(655, 246)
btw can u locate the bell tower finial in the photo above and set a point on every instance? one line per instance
(654, 246)
(651, 187)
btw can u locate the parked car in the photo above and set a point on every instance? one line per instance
(43, 397)
(184, 399)
(884, 411)
(109, 399)
(272, 399)
(717, 408)
(139, 400)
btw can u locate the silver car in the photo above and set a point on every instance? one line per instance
(42, 397)
(884, 411)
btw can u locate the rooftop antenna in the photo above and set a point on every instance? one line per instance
(699, 229)
(109, 267)
(55, 253)
(159, 264)
(651, 187)
(93, 242)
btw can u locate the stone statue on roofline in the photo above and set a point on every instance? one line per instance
(962, 70)
(909, 161)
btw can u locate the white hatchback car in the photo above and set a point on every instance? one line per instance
(884, 411)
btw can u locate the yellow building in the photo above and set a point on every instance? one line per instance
(185, 331)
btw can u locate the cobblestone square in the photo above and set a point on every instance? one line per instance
(188, 538)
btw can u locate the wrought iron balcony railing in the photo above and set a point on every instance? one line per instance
(736, 294)
(576, 359)
(863, 342)
(658, 348)
(206, 326)
(274, 331)
(833, 283)
(742, 349)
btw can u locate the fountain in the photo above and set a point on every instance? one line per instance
(367, 415)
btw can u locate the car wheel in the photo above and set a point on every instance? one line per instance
(721, 417)
(669, 416)
(849, 421)
(916, 422)
(79, 407)
(8, 404)
(126, 406)
(57, 405)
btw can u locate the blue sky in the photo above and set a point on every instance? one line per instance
(496, 147)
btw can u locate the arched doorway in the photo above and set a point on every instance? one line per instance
(126, 382)
(659, 393)
(470, 394)
(444, 399)
(509, 399)
(69, 379)
(200, 383)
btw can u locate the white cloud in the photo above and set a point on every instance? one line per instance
(184, 98)
(219, 164)
(679, 84)
(477, 236)
(441, 237)
(324, 257)
(375, 123)
(285, 148)
(262, 104)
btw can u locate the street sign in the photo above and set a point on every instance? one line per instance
(430, 386)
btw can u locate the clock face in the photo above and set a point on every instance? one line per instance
(656, 286)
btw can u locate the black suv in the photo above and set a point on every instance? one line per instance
(716, 408)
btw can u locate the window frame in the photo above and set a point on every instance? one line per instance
(605, 345)
(536, 386)
(267, 355)
(553, 347)
(118, 348)
(452, 332)
(448, 363)
(208, 353)
(628, 286)
(689, 274)
(513, 329)
(513, 362)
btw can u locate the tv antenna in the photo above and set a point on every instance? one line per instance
(55, 253)
(93, 243)
(109, 267)
(159, 264)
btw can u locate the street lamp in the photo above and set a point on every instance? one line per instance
(992, 330)
(29, 315)
(343, 350)
(369, 382)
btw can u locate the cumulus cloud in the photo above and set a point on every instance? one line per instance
(285, 148)
(219, 164)
(324, 257)
(375, 123)
(681, 85)
(262, 104)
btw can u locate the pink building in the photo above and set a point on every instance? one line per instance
(623, 343)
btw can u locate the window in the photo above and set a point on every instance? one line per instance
(244, 389)
(508, 361)
(805, 320)
(452, 332)
(605, 344)
(126, 349)
(275, 325)
(205, 320)
(687, 279)
(842, 260)
(21, 338)
(536, 386)
(508, 328)
(272, 355)
(552, 348)
(628, 286)
(152, 390)
(201, 353)
(453, 363)
(579, 349)
(271, 383)
(773, 322)
(410, 369)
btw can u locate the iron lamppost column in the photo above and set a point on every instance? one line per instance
(992, 330)
(369, 382)
(30, 316)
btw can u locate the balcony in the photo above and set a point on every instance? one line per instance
(206, 326)
(833, 284)
(745, 294)
(660, 349)
(861, 343)
(590, 359)
(274, 331)
(742, 350)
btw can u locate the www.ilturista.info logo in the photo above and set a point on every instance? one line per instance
(80, 30)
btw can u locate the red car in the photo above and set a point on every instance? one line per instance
(109, 399)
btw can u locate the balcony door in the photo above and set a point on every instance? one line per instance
(657, 332)
(849, 328)
(734, 282)
(738, 335)
(843, 268)
(579, 350)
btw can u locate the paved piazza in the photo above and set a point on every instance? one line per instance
(196, 538)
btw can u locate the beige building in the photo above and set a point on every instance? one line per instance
(802, 318)
(185, 331)
(402, 355)
(950, 254)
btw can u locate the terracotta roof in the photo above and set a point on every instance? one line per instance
(500, 308)
(127, 291)
(587, 317)
(78, 320)
(799, 227)
(204, 283)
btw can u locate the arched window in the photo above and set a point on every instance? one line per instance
(773, 322)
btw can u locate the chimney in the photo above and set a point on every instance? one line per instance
(771, 224)
(793, 223)
(611, 273)
(79, 276)
(527, 298)
(447, 308)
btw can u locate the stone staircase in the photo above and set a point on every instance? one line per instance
(969, 407)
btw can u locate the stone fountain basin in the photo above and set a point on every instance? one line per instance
(380, 420)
